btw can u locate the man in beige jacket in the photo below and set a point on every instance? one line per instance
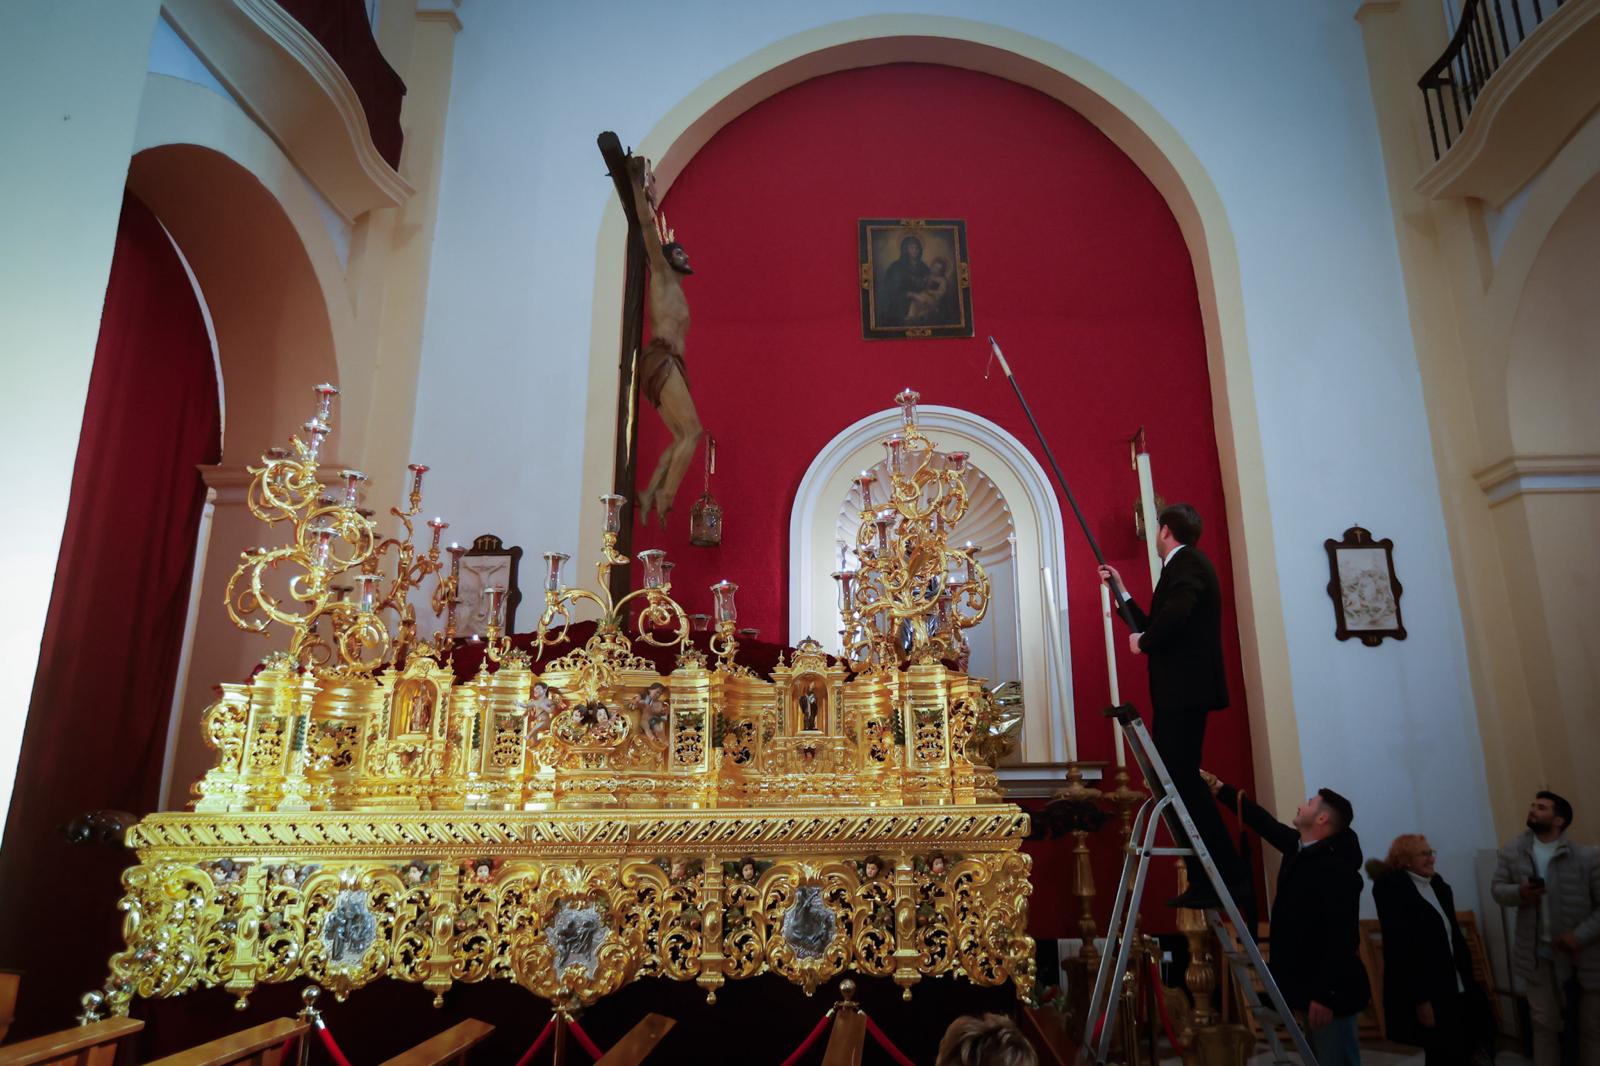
(1555, 887)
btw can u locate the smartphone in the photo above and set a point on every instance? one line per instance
(1536, 882)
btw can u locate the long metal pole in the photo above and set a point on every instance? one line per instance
(1123, 610)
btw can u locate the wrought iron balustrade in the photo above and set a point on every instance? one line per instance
(1488, 32)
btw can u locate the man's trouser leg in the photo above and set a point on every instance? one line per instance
(1179, 737)
(1589, 1027)
(1338, 1043)
(1545, 1007)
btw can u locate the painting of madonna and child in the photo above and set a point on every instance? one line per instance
(914, 278)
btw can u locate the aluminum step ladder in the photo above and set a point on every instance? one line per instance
(1239, 947)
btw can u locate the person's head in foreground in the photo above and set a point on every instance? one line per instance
(990, 1040)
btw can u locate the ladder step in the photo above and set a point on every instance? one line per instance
(1165, 810)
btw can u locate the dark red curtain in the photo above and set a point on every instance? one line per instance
(102, 695)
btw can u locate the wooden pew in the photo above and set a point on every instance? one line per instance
(9, 979)
(449, 1048)
(256, 1046)
(84, 1045)
(638, 1042)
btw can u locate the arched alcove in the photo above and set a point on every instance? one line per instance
(1039, 563)
(1552, 382)
(1165, 160)
(264, 262)
(260, 254)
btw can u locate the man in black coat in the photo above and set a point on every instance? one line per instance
(1181, 637)
(1316, 917)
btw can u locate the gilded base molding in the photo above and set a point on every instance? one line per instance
(573, 905)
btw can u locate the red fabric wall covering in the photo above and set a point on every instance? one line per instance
(1078, 267)
(108, 660)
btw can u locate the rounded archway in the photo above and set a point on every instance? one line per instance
(1166, 161)
(1037, 563)
(270, 276)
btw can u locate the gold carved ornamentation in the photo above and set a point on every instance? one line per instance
(580, 825)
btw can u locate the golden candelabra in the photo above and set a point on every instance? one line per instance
(591, 821)
(913, 593)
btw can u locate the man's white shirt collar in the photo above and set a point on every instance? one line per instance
(1176, 548)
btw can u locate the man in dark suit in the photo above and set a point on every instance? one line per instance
(1181, 637)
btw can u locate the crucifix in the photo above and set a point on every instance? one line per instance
(653, 369)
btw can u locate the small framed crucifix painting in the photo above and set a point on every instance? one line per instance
(488, 563)
(915, 281)
(1365, 591)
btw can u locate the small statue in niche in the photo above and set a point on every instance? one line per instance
(419, 712)
(662, 378)
(810, 701)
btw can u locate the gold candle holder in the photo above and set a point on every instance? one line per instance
(1078, 792)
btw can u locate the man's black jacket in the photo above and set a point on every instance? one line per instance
(1316, 915)
(1183, 636)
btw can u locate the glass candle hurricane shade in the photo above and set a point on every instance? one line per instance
(907, 399)
(494, 600)
(722, 601)
(553, 562)
(653, 561)
(864, 482)
(613, 505)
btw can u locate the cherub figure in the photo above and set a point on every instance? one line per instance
(545, 703)
(662, 377)
(652, 712)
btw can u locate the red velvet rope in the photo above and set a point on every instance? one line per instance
(1161, 1005)
(584, 1042)
(877, 1034)
(539, 1042)
(284, 1050)
(332, 1048)
(811, 1038)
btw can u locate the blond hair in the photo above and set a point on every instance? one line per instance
(1406, 847)
(990, 1040)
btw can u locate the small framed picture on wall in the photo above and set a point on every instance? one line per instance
(1365, 591)
(915, 281)
(488, 563)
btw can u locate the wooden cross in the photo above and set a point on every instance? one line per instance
(625, 463)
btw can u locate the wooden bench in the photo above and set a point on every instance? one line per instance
(9, 979)
(256, 1046)
(638, 1042)
(449, 1048)
(84, 1045)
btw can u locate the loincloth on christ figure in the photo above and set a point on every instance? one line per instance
(656, 364)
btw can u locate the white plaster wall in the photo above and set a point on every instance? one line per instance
(1272, 98)
(70, 79)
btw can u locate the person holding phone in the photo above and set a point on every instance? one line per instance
(1555, 887)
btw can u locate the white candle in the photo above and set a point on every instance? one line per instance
(1147, 503)
(1111, 671)
(1052, 624)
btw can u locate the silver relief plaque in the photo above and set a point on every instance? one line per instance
(809, 924)
(350, 928)
(575, 935)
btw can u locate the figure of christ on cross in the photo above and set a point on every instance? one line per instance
(662, 378)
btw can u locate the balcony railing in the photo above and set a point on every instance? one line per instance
(1482, 41)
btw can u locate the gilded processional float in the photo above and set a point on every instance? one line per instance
(591, 822)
